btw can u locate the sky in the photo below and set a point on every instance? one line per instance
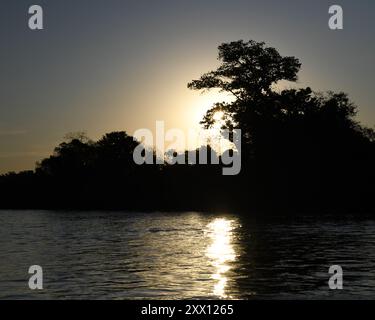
(112, 65)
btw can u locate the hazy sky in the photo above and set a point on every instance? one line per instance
(105, 65)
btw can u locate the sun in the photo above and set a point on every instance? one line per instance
(218, 116)
(202, 103)
(197, 106)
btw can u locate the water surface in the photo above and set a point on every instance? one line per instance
(116, 255)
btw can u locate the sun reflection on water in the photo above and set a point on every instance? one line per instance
(221, 253)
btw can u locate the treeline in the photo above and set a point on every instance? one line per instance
(331, 171)
(301, 151)
(84, 174)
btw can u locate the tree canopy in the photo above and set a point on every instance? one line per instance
(301, 151)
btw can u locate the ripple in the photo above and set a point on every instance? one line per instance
(114, 255)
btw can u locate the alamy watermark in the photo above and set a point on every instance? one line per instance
(336, 281)
(335, 22)
(36, 280)
(36, 18)
(214, 147)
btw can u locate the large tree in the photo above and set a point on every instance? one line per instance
(298, 145)
(250, 71)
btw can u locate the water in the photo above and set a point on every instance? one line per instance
(114, 255)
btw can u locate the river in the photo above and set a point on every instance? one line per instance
(190, 255)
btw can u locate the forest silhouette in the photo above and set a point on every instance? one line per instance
(302, 151)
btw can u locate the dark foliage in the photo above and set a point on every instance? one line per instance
(301, 151)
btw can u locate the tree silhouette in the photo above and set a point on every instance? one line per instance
(295, 142)
(248, 70)
(301, 151)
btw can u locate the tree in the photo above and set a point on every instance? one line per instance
(298, 146)
(248, 70)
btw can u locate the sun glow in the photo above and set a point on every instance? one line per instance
(218, 116)
(199, 106)
(202, 103)
(221, 253)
